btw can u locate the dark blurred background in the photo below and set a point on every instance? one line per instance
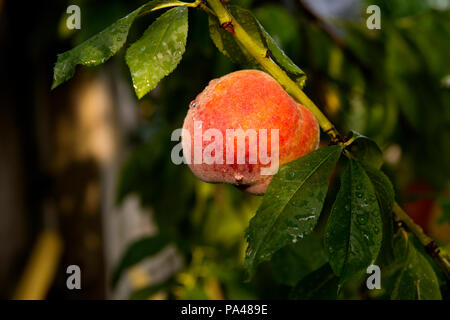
(85, 171)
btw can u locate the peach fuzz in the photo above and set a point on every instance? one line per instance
(249, 99)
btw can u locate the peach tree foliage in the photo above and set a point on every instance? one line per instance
(358, 229)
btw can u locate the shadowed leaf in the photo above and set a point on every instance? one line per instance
(366, 150)
(321, 284)
(416, 279)
(354, 231)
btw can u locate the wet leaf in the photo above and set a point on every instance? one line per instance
(146, 292)
(354, 231)
(385, 196)
(227, 44)
(293, 262)
(291, 205)
(158, 52)
(103, 45)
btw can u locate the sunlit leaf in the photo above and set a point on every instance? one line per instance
(291, 205)
(103, 45)
(158, 52)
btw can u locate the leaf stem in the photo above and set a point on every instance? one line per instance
(195, 4)
(204, 7)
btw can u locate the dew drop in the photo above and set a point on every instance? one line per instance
(362, 219)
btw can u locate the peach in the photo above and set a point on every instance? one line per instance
(250, 100)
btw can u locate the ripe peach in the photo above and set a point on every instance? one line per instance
(247, 100)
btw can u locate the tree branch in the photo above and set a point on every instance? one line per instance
(430, 246)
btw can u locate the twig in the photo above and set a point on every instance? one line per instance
(430, 246)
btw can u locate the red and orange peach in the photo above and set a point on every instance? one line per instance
(247, 100)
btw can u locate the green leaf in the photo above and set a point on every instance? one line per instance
(321, 284)
(385, 196)
(354, 231)
(103, 45)
(293, 262)
(294, 72)
(291, 205)
(227, 44)
(158, 52)
(416, 279)
(366, 150)
(138, 251)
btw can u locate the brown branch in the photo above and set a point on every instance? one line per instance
(430, 246)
